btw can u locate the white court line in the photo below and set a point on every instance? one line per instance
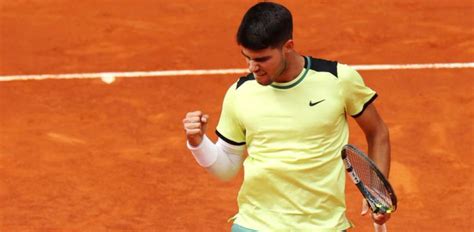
(220, 71)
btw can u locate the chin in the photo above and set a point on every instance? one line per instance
(264, 81)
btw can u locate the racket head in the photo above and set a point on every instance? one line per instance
(371, 182)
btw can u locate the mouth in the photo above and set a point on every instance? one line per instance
(259, 74)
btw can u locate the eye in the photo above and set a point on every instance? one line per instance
(262, 59)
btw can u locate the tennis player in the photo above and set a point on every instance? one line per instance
(290, 113)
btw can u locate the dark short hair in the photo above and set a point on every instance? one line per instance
(266, 24)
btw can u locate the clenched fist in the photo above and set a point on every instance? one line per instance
(195, 126)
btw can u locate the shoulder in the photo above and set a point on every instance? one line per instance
(348, 74)
(338, 70)
(244, 79)
(322, 65)
(241, 83)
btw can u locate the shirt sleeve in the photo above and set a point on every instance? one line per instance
(357, 96)
(229, 128)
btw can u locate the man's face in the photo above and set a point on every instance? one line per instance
(266, 65)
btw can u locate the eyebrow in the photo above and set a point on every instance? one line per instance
(258, 59)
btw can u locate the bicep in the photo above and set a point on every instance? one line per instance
(229, 127)
(371, 122)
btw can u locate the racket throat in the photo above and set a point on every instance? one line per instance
(373, 204)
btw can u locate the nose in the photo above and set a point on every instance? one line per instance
(253, 66)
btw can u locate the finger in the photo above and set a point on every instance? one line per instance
(192, 125)
(192, 119)
(193, 132)
(194, 114)
(380, 218)
(205, 118)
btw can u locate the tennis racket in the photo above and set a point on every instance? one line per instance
(370, 181)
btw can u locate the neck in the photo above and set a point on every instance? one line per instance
(294, 66)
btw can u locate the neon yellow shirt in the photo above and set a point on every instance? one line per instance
(294, 178)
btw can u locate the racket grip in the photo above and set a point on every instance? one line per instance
(380, 228)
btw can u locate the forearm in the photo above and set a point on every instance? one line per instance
(379, 148)
(221, 159)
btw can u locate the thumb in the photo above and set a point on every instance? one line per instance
(204, 121)
(365, 207)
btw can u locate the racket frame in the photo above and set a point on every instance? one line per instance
(375, 205)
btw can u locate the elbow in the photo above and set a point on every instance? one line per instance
(226, 166)
(223, 174)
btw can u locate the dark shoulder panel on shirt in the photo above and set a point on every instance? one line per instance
(244, 79)
(321, 65)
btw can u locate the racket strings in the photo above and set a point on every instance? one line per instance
(370, 178)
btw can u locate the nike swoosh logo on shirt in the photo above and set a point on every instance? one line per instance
(315, 103)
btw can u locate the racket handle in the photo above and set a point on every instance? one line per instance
(380, 228)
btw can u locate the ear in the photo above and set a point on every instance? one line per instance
(288, 46)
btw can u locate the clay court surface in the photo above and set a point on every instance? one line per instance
(82, 155)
